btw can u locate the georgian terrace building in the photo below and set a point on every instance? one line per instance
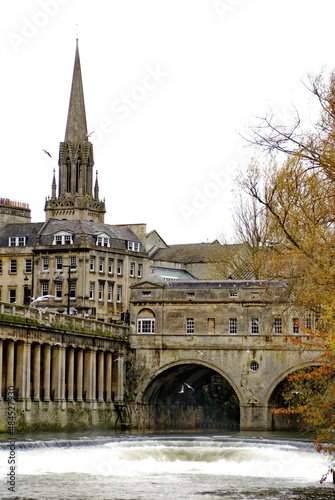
(78, 266)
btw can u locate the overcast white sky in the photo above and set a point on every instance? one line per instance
(168, 85)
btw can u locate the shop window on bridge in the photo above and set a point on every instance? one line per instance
(233, 326)
(278, 326)
(308, 320)
(254, 326)
(190, 325)
(146, 321)
(295, 326)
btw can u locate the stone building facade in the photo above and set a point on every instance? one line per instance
(200, 307)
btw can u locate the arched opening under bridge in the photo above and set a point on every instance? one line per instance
(299, 388)
(189, 396)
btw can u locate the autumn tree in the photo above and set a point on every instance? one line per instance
(292, 184)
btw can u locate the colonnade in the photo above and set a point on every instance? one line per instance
(56, 372)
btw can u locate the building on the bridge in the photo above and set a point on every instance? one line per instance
(201, 347)
(214, 307)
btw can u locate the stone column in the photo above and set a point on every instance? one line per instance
(70, 373)
(27, 353)
(108, 377)
(36, 372)
(56, 373)
(94, 375)
(100, 374)
(21, 370)
(10, 364)
(117, 378)
(88, 375)
(46, 374)
(62, 362)
(79, 374)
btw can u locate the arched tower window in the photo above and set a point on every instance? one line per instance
(78, 172)
(88, 187)
(68, 174)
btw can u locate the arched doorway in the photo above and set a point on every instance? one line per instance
(189, 396)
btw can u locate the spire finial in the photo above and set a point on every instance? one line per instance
(96, 186)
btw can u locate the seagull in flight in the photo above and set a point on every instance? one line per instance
(187, 385)
(182, 389)
(47, 153)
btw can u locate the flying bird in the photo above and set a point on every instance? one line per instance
(47, 153)
(89, 135)
(187, 385)
(182, 389)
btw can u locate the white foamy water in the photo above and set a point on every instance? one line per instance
(134, 465)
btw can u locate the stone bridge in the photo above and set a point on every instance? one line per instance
(75, 372)
(161, 367)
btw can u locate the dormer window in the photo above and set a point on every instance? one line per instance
(102, 240)
(134, 246)
(63, 238)
(17, 241)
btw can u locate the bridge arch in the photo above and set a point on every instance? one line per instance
(275, 383)
(190, 393)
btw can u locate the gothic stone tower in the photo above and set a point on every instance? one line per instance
(75, 200)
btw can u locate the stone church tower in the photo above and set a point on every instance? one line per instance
(75, 200)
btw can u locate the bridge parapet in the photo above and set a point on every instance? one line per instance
(32, 315)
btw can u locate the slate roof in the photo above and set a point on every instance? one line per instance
(118, 235)
(193, 252)
(223, 284)
(28, 230)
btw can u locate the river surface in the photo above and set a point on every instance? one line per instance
(231, 466)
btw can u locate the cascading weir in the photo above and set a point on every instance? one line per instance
(188, 396)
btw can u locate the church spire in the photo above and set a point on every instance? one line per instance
(76, 127)
(75, 199)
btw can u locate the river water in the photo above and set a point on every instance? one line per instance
(231, 466)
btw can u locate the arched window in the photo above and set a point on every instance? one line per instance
(146, 321)
(68, 174)
(78, 172)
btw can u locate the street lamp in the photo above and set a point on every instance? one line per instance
(68, 287)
